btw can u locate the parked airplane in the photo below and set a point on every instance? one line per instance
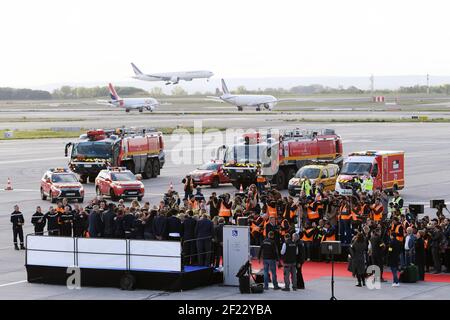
(171, 77)
(249, 100)
(129, 103)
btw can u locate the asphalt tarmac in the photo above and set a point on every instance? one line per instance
(426, 145)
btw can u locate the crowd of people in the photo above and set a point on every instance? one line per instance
(373, 228)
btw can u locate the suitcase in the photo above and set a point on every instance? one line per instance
(410, 274)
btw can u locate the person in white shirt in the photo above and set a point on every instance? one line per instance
(409, 246)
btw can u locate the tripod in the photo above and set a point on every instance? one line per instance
(331, 248)
(332, 278)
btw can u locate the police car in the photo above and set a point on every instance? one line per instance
(119, 183)
(59, 183)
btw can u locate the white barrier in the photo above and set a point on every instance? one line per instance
(111, 254)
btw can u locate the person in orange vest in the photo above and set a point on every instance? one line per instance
(311, 211)
(328, 234)
(290, 210)
(272, 209)
(260, 181)
(307, 236)
(285, 228)
(376, 211)
(345, 222)
(357, 215)
(225, 207)
(256, 228)
(194, 203)
(318, 235)
(320, 202)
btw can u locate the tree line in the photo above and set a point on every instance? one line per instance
(68, 92)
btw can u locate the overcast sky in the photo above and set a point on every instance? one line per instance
(47, 41)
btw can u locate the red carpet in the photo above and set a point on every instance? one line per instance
(315, 270)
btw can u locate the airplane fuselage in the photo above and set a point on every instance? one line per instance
(175, 76)
(248, 100)
(136, 103)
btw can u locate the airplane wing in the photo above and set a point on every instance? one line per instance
(159, 77)
(293, 100)
(214, 98)
(104, 103)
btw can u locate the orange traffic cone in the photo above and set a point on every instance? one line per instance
(241, 190)
(9, 185)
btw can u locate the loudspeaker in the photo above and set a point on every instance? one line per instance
(435, 203)
(330, 247)
(416, 208)
(242, 221)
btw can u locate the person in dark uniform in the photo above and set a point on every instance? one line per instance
(394, 251)
(17, 221)
(273, 227)
(80, 223)
(289, 253)
(38, 221)
(357, 250)
(52, 217)
(108, 220)
(270, 255)
(218, 242)
(188, 186)
(420, 256)
(188, 234)
(160, 226)
(378, 251)
(301, 256)
(119, 232)
(138, 227)
(128, 223)
(204, 233)
(148, 225)
(66, 220)
(213, 204)
(173, 225)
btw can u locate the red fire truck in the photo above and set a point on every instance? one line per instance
(139, 150)
(278, 155)
(385, 168)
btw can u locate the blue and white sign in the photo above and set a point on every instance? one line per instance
(236, 252)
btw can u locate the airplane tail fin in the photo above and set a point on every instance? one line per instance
(113, 93)
(224, 88)
(136, 70)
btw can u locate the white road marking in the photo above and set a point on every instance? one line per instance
(19, 190)
(12, 283)
(29, 160)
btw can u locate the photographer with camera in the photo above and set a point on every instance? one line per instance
(188, 186)
(213, 204)
(437, 237)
